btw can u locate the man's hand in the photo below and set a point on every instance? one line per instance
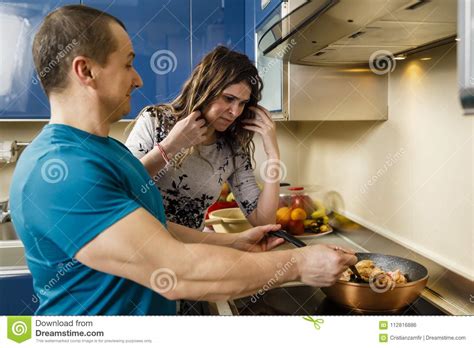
(322, 265)
(256, 239)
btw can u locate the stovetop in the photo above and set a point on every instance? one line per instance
(305, 300)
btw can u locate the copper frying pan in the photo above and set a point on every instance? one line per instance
(365, 297)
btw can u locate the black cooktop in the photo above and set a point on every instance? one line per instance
(305, 300)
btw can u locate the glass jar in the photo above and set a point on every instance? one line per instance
(302, 209)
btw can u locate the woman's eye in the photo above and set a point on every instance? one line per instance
(229, 99)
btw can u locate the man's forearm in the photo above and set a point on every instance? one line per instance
(212, 273)
(147, 254)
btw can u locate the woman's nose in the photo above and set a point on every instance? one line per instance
(235, 109)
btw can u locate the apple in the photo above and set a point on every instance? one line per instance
(295, 227)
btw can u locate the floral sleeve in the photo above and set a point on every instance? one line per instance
(141, 138)
(243, 184)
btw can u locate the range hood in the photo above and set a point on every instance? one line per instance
(341, 32)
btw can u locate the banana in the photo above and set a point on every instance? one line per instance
(319, 213)
(320, 210)
(324, 228)
(230, 197)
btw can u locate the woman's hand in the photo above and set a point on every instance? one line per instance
(265, 126)
(256, 239)
(189, 131)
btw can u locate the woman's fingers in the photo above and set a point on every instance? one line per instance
(263, 113)
(201, 123)
(258, 122)
(195, 114)
(262, 128)
(254, 129)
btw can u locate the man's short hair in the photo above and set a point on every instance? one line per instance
(66, 33)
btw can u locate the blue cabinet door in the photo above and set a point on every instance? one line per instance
(160, 33)
(262, 13)
(21, 96)
(217, 22)
(250, 29)
(17, 295)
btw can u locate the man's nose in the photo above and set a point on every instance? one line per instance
(137, 81)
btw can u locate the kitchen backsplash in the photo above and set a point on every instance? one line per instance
(26, 131)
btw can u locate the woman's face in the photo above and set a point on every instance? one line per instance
(225, 109)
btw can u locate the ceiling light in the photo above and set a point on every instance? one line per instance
(400, 57)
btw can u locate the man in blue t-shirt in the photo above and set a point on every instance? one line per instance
(89, 215)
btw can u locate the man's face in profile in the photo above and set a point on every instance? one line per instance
(117, 79)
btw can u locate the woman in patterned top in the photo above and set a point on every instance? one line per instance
(203, 138)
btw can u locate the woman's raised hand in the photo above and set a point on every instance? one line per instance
(189, 131)
(265, 126)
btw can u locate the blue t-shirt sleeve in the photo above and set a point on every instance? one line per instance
(72, 198)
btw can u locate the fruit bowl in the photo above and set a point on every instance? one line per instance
(302, 210)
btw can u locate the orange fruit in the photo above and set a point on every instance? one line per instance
(283, 216)
(298, 214)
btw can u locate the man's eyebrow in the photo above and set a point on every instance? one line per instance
(233, 96)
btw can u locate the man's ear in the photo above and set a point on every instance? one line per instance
(82, 71)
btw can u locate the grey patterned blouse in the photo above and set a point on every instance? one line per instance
(190, 189)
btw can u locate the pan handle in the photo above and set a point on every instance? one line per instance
(288, 237)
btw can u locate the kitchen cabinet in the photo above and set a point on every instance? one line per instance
(335, 94)
(263, 8)
(249, 28)
(21, 95)
(161, 36)
(169, 38)
(271, 69)
(217, 22)
(296, 92)
(17, 294)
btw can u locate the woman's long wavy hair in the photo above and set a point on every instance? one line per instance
(219, 69)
